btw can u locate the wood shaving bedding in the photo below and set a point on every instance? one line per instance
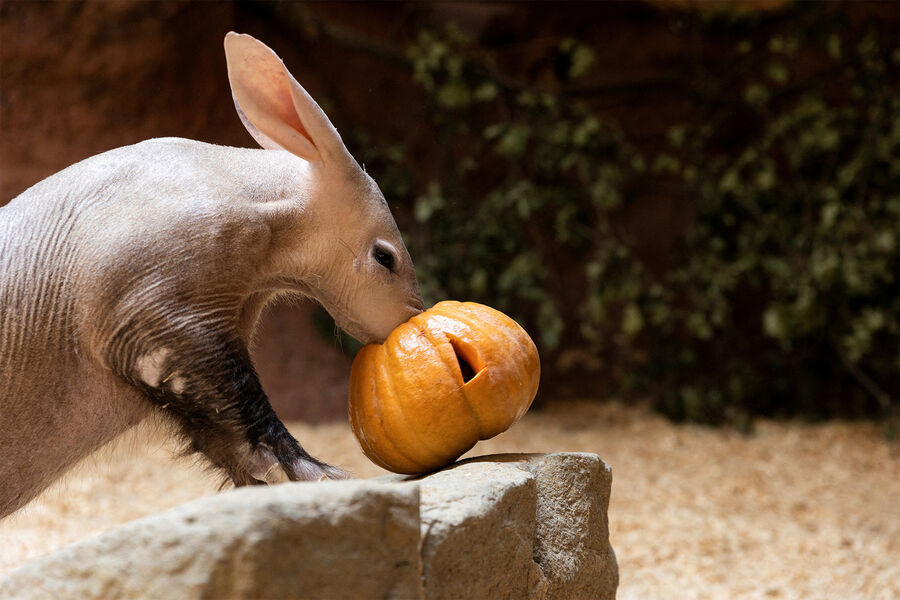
(792, 511)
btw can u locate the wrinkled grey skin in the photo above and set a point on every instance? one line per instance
(131, 282)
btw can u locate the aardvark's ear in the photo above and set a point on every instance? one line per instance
(275, 109)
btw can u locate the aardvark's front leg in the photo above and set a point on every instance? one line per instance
(214, 394)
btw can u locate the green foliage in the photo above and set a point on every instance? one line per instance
(525, 177)
(796, 237)
(782, 292)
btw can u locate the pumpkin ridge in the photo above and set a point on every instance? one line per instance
(446, 338)
(530, 360)
(523, 342)
(477, 317)
(455, 341)
(382, 365)
(372, 447)
(477, 418)
(437, 341)
(357, 381)
(422, 441)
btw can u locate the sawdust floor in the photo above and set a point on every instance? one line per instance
(793, 511)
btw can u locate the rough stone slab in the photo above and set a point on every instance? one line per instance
(348, 539)
(485, 527)
(478, 532)
(571, 534)
(501, 527)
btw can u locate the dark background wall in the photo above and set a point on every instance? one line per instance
(78, 78)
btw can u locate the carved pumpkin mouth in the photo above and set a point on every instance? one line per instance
(469, 364)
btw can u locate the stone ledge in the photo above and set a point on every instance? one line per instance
(516, 526)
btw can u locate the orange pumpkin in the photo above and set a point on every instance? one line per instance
(450, 376)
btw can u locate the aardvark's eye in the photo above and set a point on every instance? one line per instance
(383, 258)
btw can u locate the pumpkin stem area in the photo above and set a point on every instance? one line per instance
(464, 366)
